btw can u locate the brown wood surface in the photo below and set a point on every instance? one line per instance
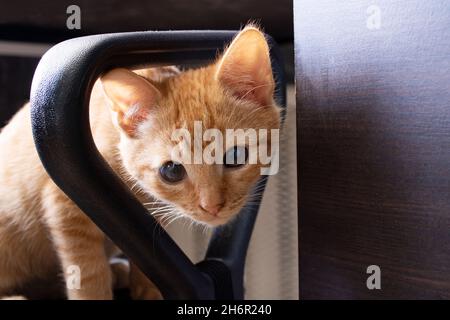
(373, 121)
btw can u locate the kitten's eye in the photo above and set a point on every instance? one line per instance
(172, 172)
(235, 157)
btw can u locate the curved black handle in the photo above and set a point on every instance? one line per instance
(60, 119)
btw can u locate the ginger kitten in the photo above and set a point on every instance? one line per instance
(133, 116)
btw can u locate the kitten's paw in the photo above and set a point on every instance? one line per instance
(145, 292)
(120, 273)
(14, 298)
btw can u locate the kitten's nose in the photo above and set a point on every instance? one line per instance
(211, 208)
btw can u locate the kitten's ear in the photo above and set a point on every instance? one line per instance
(131, 96)
(245, 67)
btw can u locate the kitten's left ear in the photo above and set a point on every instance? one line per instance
(245, 67)
(131, 96)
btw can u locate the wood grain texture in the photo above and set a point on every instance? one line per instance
(373, 123)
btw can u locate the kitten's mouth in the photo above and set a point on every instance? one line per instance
(165, 214)
(222, 218)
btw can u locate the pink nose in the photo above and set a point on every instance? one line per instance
(212, 208)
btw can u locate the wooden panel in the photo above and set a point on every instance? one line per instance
(373, 125)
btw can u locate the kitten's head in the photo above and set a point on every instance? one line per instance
(236, 92)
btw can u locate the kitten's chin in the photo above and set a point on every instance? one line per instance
(218, 222)
(210, 221)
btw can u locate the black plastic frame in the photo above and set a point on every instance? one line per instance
(60, 119)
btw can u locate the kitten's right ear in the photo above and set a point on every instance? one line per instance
(245, 68)
(131, 98)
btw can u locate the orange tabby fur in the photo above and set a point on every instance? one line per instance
(43, 232)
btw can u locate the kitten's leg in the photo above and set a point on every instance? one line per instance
(79, 245)
(141, 288)
(120, 274)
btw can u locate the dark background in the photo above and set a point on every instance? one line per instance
(45, 22)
